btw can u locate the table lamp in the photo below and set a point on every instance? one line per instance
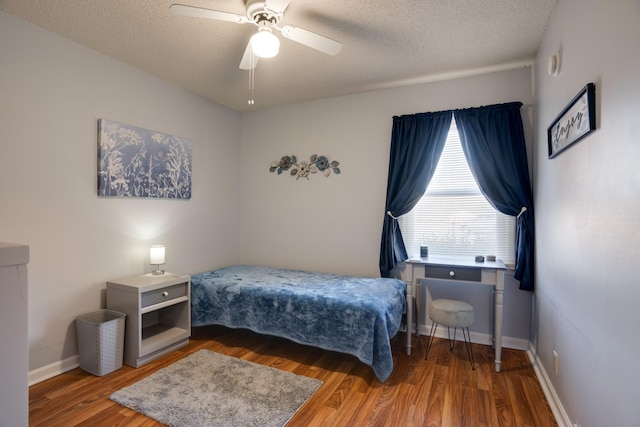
(156, 257)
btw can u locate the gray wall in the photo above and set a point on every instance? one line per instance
(334, 223)
(587, 216)
(52, 92)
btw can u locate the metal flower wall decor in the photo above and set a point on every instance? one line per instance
(303, 168)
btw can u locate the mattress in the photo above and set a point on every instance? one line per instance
(348, 314)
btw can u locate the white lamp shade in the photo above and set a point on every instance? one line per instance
(265, 44)
(156, 255)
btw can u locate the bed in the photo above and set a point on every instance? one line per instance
(348, 314)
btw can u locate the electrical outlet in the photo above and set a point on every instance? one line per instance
(555, 363)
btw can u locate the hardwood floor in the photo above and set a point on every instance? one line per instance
(442, 391)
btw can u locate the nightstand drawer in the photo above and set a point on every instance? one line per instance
(165, 294)
(453, 273)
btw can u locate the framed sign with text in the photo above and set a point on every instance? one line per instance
(576, 121)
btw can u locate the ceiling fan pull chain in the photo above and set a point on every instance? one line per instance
(251, 81)
(266, 15)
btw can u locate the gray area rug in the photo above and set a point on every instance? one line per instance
(211, 389)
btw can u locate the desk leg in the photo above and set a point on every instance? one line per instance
(409, 317)
(498, 318)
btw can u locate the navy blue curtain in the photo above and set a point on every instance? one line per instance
(417, 142)
(492, 139)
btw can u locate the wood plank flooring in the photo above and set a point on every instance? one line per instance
(442, 391)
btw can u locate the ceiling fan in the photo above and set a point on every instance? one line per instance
(266, 15)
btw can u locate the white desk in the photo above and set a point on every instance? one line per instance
(459, 269)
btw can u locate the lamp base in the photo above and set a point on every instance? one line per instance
(157, 272)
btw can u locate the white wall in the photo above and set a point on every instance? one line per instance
(334, 223)
(52, 92)
(588, 210)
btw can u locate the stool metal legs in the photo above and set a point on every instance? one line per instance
(432, 333)
(467, 341)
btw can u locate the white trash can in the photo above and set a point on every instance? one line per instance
(100, 341)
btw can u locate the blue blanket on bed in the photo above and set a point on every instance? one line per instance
(354, 315)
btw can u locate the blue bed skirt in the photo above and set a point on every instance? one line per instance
(348, 314)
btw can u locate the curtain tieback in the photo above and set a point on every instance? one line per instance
(391, 215)
(523, 210)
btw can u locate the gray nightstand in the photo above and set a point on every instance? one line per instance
(158, 314)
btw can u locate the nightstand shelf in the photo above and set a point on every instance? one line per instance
(162, 305)
(157, 336)
(158, 314)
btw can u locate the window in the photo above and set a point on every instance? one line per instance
(453, 217)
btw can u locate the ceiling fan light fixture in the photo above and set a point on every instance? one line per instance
(265, 44)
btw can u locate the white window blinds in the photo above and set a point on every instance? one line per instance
(453, 217)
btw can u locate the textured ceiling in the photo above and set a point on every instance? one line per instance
(385, 42)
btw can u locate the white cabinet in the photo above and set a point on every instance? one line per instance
(14, 351)
(158, 314)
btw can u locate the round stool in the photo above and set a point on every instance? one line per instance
(452, 314)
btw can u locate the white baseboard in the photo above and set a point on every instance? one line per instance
(561, 416)
(479, 338)
(559, 413)
(44, 373)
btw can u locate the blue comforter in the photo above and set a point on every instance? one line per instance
(353, 315)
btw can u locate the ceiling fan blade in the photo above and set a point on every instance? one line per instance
(311, 39)
(249, 60)
(277, 6)
(199, 12)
